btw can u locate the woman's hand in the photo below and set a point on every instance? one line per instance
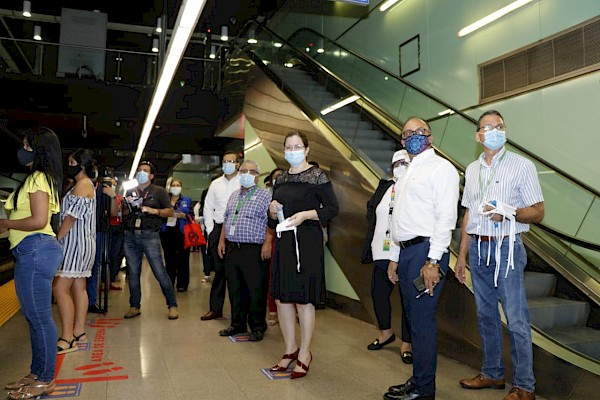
(392, 272)
(273, 207)
(299, 218)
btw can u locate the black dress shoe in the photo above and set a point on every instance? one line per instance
(256, 336)
(211, 315)
(412, 394)
(231, 331)
(403, 388)
(377, 345)
(95, 309)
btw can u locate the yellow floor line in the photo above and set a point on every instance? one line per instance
(9, 304)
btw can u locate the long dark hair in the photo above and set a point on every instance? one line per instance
(86, 161)
(47, 160)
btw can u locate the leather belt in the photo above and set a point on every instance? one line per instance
(488, 238)
(238, 245)
(410, 242)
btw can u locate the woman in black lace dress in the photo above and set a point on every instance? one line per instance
(298, 277)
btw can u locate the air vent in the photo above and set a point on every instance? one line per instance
(573, 52)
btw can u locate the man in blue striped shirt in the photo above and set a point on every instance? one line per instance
(502, 197)
(245, 246)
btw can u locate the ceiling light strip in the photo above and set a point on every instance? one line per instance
(189, 13)
(388, 4)
(492, 17)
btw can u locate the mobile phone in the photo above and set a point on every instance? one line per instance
(419, 282)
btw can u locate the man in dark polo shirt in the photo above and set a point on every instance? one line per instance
(144, 210)
(245, 245)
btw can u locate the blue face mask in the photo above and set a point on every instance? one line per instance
(228, 168)
(142, 177)
(25, 157)
(416, 144)
(247, 180)
(295, 158)
(494, 139)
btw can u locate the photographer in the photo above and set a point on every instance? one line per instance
(106, 207)
(145, 208)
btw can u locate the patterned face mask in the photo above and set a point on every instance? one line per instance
(416, 144)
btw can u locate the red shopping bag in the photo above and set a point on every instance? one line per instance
(192, 234)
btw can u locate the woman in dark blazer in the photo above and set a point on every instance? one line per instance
(177, 258)
(380, 250)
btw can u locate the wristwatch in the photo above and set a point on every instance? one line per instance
(433, 262)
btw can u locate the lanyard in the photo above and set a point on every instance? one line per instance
(387, 232)
(242, 201)
(483, 189)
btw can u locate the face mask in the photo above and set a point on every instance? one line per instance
(295, 158)
(73, 170)
(416, 144)
(247, 180)
(114, 187)
(228, 168)
(494, 139)
(399, 171)
(25, 157)
(175, 190)
(142, 177)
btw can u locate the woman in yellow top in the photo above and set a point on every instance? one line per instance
(37, 255)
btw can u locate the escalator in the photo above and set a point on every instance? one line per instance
(292, 81)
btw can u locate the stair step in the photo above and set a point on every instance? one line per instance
(539, 284)
(553, 312)
(581, 338)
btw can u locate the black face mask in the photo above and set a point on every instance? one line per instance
(25, 157)
(73, 170)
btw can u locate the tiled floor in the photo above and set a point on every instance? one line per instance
(151, 357)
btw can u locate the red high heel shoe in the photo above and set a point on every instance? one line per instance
(292, 357)
(297, 375)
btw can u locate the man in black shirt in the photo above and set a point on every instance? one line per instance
(144, 211)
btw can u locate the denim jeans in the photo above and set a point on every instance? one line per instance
(511, 293)
(91, 286)
(37, 258)
(138, 243)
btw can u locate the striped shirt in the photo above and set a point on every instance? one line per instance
(250, 222)
(511, 179)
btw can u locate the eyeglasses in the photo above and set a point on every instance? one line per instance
(249, 171)
(229, 162)
(292, 148)
(489, 127)
(419, 131)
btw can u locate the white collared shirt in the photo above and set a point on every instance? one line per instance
(216, 200)
(427, 202)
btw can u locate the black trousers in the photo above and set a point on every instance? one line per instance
(217, 290)
(247, 280)
(381, 288)
(177, 259)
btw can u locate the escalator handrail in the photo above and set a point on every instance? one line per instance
(561, 235)
(583, 185)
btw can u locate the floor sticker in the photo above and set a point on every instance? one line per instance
(64, 390)
(275, 375)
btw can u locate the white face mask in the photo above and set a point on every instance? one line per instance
(399, 171)
(175, 190)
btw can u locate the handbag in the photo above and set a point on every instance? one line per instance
(192, 234)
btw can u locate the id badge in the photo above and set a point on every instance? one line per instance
(232, 230)
(386, 245)
(138, 223)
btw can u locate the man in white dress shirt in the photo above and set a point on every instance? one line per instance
(214, 213)
(422, 224)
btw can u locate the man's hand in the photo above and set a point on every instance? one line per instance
(393, 272)
(494, 217)
(3, 227)
(431, 277)
(265, 250)
(221, 248)
(460, 268)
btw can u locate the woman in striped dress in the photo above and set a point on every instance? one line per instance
(77, 234)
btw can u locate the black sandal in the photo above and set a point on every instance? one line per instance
(78, 337)
(63, 350)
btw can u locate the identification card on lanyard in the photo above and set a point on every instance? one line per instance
(387, 241)
(239, 206)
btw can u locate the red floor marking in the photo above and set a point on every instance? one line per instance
(99, 379)
(90, 366)
(103, 371)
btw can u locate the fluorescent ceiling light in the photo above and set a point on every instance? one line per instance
(252, 36)
(277, 44)
(492, 17)
(155, 45)
(37, 32)
(184, 27)
(159, 25)
(213, 52)
(320, 49)
(224, 33)
(340, 104)
(447, 111)
(388, 4)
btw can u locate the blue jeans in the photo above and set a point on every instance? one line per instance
(138, 243)
(421, 314)
(91, 286)
(38, 257)
(511, 293)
